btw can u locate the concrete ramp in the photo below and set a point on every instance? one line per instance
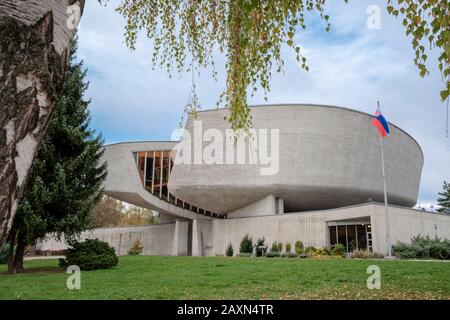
(138, 173)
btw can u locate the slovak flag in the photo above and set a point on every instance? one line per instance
(380, 122)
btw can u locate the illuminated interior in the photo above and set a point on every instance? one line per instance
(351, 236)
(154, 170)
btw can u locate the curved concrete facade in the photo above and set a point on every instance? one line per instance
(329, 157)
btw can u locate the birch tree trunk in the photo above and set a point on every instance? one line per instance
(35, 38)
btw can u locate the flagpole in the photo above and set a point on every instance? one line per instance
(386, 211)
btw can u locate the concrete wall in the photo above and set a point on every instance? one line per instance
(211, 237)
(202, 238)
(407, 223)
(180, 238)
(308, 227)
(311, 227)
(156, 239)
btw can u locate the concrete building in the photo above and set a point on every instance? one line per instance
(305, 172)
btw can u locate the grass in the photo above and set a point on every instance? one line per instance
(144, 277)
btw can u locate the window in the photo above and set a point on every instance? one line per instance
(351, 236)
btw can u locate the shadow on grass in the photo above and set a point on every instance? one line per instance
(36, 270)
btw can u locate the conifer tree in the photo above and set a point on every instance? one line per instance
(444, 200)
(67, 175)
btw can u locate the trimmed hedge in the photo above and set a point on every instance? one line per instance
(246, 245)
(299, 247)
(229, 251)
(90, 255)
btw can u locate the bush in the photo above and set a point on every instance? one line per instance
(244, 255)
(338, 250)
(352, 245)
(260, 243)
(288, 247)
(423, 248)
(280, 247)
(229, 251)
(366, 254)
(310, 250)
(291, 255)
(272, 254)
(298, 247)
(246, 245)
(303, 255)
(136, 249)
(361, 254)
(90, 255)
(321, 252)
(4, 252)
(274, 247)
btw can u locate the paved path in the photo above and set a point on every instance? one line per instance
(42, 258)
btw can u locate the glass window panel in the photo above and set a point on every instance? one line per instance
(351, 237)
(362, 236)
(149, 171)
(341, 236)
(332, 235)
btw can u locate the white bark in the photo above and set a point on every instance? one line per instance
(35, 37)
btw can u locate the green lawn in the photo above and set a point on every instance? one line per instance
(143, 277)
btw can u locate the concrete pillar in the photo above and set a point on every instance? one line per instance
(267, 206)
(197, 244)
(180, 240)
(280, 204)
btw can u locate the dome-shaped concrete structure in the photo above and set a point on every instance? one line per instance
(329, 157)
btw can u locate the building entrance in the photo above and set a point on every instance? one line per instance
(351, 235)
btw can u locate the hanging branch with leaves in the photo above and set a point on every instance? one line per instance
(428, 23)
(251, 33)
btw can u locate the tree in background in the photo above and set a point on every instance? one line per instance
(444, 200)
(107, 213)
(110, 212)
(137, 216)
(67, 175)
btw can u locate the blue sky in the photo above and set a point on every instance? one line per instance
(350, 66)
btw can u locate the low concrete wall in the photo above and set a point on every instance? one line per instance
(308, 227)
(311, 227)
(156, 239)
(407, 223)
(211, 237)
